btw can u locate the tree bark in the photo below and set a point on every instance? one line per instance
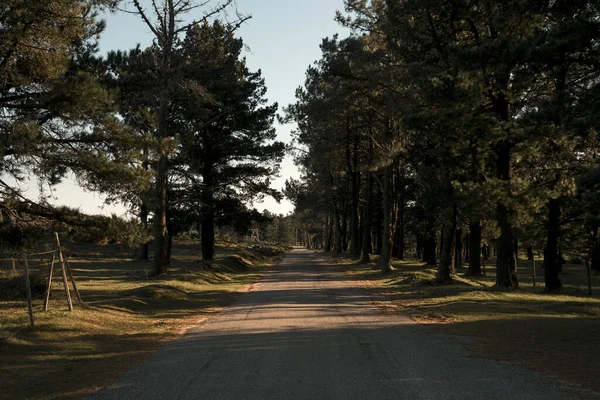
(398, 249)
(379, 234)
(475, 248)
(552, 258)
(161, 235)
(530, 253)
(344, 219)
(171, 231)
(446, 265)
(506, 270)
(143, 251)
(386, 239)
(328, 233)
(355, 190)
(429, 245)
(361, 227)
(458, 253)
(467, 247)
(366, 244)
(207, 235)
(338, 228)
(595, 265)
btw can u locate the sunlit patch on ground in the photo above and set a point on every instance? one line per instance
(555, 333)
(126, 316)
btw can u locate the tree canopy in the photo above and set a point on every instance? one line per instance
(445, 117)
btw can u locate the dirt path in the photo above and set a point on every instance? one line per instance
(307, 332)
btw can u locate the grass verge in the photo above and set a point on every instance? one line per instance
(126, 315)
(556, 334)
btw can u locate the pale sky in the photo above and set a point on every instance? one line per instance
(283, 37)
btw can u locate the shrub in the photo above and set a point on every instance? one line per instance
(12, 287)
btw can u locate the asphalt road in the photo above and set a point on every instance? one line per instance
(305, 331)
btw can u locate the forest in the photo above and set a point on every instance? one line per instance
(445, 148)
(181, 131)
(454, 131)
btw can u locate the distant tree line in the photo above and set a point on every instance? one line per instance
(180, 131)
(443, 127)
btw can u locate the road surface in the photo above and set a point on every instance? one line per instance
(306, 331)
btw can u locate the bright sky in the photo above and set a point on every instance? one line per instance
(283, 37)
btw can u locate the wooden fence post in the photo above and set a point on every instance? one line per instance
(73, 280)
(28, 287)
(589, 275)
(49, 282)
(533, 267)
(483, 265)
(64, 273)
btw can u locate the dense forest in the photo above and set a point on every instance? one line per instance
(448, 152)
(181, 131)
(451, 131)
(443, 130)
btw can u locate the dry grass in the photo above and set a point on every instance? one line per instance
(126, 316)
(557, 334)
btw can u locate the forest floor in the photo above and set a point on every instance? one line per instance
(126, 314)
(555, 334)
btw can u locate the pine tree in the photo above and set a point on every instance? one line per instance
(166, 26)
(49, 101)
(227, 134)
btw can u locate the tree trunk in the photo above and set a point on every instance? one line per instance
(161, 235)
(355, 189)
(344, 219)
(475, 248)
(506, 269)
(595, 265)
(398, 250)
(429, 251)
(338, 228)
(355, 223)
(207, 235)
(446, 265)
(530, 253)
(467, 247)
(386, 239)
(170, 229)
(143, 250)
(595, 250)
(366, 244)
(429, 245)
(328, 233)
(379, 235)
(419, 245)
(361, 227)
(458, 253)
(552, 258)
